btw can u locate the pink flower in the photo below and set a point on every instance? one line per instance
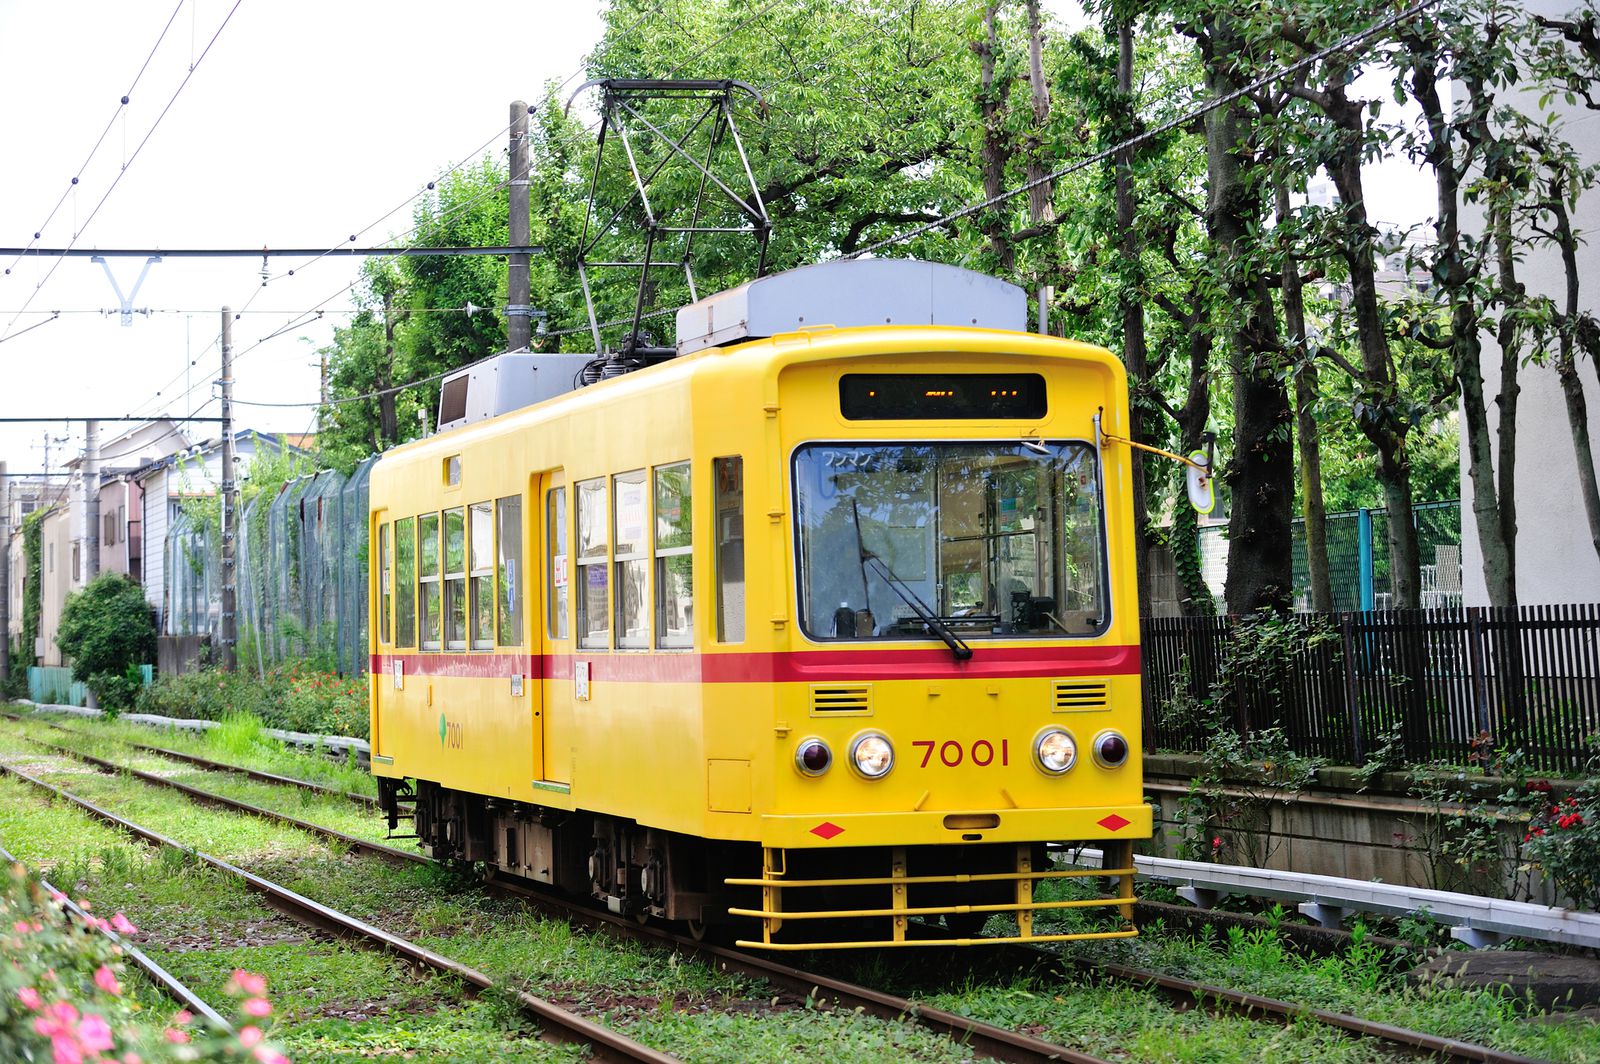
(124, 925)
(62, 1013)
(270, 1056)
(249, 1036)
(57, 897)
(183, 1016)
(131, 1057)
(20, 927)
(65, 1049)
(249, 982)
(257, 1007)
(30, 997)
(85, 906)
(94, 1034)
(106, 980)
(176, 1037)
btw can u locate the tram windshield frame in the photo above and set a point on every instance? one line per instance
(997, 539)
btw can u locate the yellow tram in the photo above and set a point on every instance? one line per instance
(824, 624)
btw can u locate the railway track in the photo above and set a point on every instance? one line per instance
(174, 988)
(554, 1021)
(990, 1041)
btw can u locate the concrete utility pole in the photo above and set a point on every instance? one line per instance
(5, 575)
(91, 500)
(229, 500)
(518, 312)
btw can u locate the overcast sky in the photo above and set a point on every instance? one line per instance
(304, 123)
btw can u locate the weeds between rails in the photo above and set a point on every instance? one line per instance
(1211, 996)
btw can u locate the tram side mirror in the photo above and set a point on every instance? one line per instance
(1202, 489)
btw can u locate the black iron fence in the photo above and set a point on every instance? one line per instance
(1439, 685)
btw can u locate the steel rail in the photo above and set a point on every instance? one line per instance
(988, 1040)
(994, 1042)
(377, 849)
(564, 1025)
(213, 766)
(168, 982)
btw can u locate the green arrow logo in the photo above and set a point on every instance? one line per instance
(441, 729)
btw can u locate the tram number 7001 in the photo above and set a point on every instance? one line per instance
(951, 753)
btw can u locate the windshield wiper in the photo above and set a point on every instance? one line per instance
(957, 646)
(924, 614)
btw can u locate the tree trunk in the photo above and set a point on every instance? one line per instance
(1308, 434)
(1506, 335)
(1567, 366)
(1453, 275)
(1134, 349)
(1261, 473)
(994, 153)
(1382, 425)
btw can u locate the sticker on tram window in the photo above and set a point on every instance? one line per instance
(558, 570)
(951, 752)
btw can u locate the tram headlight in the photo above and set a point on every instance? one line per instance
(872, 755)
(1110, 749)
(1055, 751)
(812, 757)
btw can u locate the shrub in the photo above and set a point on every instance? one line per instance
(293, 696)
(62, 996)
(104, 629)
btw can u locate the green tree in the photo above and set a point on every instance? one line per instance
(108, 632)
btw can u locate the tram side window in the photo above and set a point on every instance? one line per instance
(556, 537)
(480, 573)
(508, 514)
(728, 474)
(455, 580)
(428, 578)
(674, 557)
(385, 583)
(405, 583)
(632, 554)
(594, 622)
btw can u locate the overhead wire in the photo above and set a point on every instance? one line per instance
(121, 106)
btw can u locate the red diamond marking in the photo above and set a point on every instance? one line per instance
(1113, 822)
(827, 830)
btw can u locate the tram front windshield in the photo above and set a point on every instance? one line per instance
(990, 539)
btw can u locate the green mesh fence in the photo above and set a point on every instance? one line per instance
(302, 565)
(1358, 558)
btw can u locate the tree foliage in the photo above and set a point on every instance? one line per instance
(107, 629)
(1241, 307)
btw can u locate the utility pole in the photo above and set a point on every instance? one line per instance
(91, 500)
(5, 576)
(230, 519)
(518, 311)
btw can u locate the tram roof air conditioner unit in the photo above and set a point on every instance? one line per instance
(852, 292)
(504, 383)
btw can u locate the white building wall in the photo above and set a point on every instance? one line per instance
(1556, 559)
(155, 540)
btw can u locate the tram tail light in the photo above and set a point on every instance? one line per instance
(1110, 749)
(812, 757)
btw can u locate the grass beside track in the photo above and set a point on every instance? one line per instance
(685, 1009)
(339, 1001)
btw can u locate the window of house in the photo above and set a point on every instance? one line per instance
(508, 514)
(674, 557)
(77, 560)
(405, 583)
(52, 557)
(385, 585)
(480, 573)
(428, 578)
(631, 551)
(455, 579)
(728, 474)
(594, 622)
(556, 537)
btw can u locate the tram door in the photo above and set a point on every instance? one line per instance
(554, 644)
